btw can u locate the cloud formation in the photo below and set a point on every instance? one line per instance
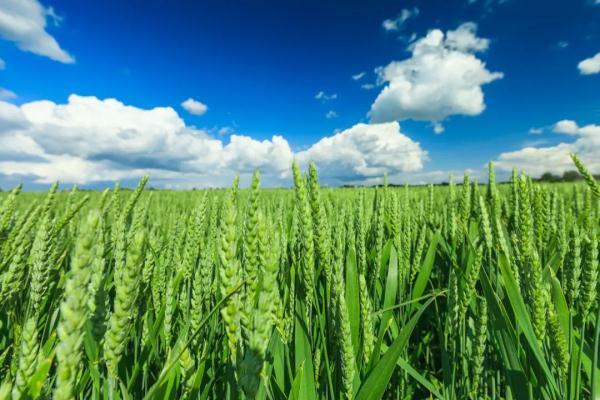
(7, 94)
(590, 65)
(536, 131)
(87, 140)
(396, 24)
(443, 77)
(556, 159)
(365, 151)
(325, 97)
(194, 106)
(24, 22)
(358, 76)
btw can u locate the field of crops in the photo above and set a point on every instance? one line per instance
(459, 292)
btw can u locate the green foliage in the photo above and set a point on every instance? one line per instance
(446, 292)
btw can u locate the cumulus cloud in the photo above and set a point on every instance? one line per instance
(590, 65)
(395, 24)
(87, 140)
(365, 151)
(358, 76)
(556, 159)
(194, 106)
(24, 22)
(107, 139)
(566, 126)
(443, 77)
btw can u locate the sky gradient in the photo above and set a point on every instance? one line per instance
(196, 92)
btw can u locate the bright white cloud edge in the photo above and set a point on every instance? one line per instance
(194, 107)
(556, 159)
(443, 77)
(590, 66)
(88, 140)
(24, 23)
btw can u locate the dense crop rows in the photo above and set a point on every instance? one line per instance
(458, 292)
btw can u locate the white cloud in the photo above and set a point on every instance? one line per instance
(2, 64)
(87, 140)
(563, 44)
(556, 159)
(438, 128)
(536, 131)
(331, 114)
(194, 106)
(590, 65)
(358, 76)
(7, 94)
(364, 151)
(464, 39)
(367, 86)
(566, 126)
(244, 153)
(325, 97)
(395, 24)
(442, 77)
(24, 22)
(111, 139)
(11, 117)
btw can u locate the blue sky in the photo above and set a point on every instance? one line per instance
(258, 67)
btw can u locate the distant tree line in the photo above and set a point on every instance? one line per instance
(567, 176)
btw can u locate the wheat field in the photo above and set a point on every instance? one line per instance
(464, 291)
